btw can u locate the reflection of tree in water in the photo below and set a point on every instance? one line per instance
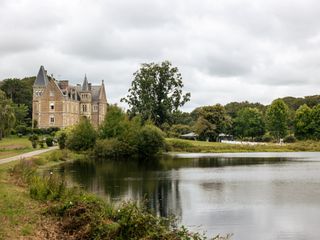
(141, 181)
(82, 172)
(156, 180)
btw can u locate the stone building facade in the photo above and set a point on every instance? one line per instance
(58, 104)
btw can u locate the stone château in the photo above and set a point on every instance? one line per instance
(59, 104)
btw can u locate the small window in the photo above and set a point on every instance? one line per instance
(84, 108)
(51, 119)
(95, 108)
(51, 106)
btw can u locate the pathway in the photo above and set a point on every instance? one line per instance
(26, 155)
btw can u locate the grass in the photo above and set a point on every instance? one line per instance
(13, 145)
(181, 145)
(20, 215)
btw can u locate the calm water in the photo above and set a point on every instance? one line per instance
(254, 196)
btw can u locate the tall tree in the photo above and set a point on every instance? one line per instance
(20, 92)
(216, 115)
(205, 129)
(249, 123)
(277, 118)
(7, 116)
(156, 92)
(302, 122)
(315, 122)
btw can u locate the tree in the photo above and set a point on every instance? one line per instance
(20, 92)
(7, 117)
(234, 107)
(82, 137)
(315, 122)
(277, 118)
(156, 92)
(21, 113)
(113, 124)
(249, 123)
(216, 115)
(205, 129)
(302, 122)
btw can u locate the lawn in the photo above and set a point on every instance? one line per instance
(180, 145)
(13, 145)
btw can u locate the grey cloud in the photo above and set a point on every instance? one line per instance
(227, 50)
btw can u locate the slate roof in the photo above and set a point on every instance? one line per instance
(85, 85)
(95, 92)
(42, 79)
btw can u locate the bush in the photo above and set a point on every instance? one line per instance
(112, 148)
(23, 129)
(49, 141)
(289, 139)
(266, 138)
(82, 136)
(34, 140)
(47, 188)
(149, 141)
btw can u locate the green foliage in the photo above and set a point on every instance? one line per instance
(82, 137)
(149, 141)
(183, 118)
(156, 92)
(21, 113)
(7, 116)
(122, 138)
(114, 123)
(289, 139)
(302, 123)
(315, 122)
(177, 130)
(112, 148)
(234, 107)
(249, 123)
(61, 138)
(205, 129)
(20, 92)
(277, 119)
(212, 121)
(46, 188)
(34, 140)
(49, 141)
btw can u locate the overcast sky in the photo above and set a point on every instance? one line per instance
(226, 50)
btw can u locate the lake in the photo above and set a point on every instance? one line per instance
(252, 195)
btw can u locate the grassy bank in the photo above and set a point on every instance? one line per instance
(13, 145)
(43, 207)
(21, 216)
(180, 145)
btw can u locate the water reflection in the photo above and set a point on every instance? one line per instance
(274, 197)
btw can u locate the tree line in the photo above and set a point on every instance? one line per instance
(156, 95)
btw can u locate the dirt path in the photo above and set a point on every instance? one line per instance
(26, 155)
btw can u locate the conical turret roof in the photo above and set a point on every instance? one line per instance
(85, 85)
(42, 78)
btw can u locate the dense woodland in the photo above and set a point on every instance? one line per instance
(158, 98)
